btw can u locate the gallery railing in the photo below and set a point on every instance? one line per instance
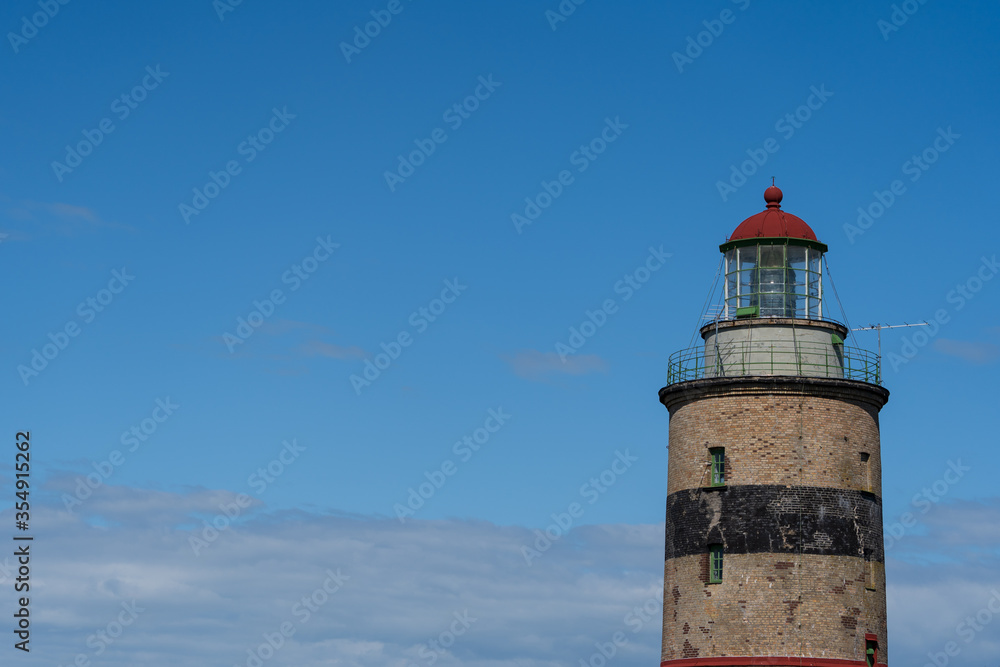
(736, 359)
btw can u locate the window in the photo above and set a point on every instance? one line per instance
(717, 458)
(715, 563)
(870, 575)
(871, 651)
(866, 471)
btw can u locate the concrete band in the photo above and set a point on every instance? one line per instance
(871, 396)
(775, 519)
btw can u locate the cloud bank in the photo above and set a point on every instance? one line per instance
(300, 588)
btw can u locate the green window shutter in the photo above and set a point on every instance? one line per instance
(871, 654)
(715, 563)
(837, 340)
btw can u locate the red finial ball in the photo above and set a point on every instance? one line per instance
(773, 197)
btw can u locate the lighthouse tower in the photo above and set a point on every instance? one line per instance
(774, 515)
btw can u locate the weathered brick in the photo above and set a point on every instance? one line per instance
(807, 597)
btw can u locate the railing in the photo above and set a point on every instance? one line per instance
(738, 359)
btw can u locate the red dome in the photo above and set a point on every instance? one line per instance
(773, 222)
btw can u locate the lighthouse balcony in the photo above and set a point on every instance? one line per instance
(777, 348)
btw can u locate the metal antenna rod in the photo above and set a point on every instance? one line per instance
(879, 327)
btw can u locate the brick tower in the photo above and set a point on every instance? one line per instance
(774, 515)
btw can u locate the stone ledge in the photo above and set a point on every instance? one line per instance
(674, 395)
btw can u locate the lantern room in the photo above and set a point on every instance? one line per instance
(773, 266)
(770, 316)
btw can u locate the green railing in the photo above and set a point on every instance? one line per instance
(738, 359)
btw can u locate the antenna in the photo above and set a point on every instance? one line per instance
(879, 327)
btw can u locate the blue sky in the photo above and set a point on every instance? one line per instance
(354, 256)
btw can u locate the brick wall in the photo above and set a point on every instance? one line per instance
(776, 438)
(772, 605)
(796, 478)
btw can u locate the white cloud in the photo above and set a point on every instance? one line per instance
(287, 343)
(60, 217)
(939, 578)
(317, 348)
(407, 582)
(977, 353)
(537, 365)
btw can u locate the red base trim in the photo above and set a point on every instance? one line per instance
(765, 661)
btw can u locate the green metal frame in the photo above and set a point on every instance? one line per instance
(773, 240)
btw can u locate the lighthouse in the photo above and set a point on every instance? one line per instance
(774, 551)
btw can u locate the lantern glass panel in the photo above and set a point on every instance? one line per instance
(748, 264)
(732, 280)
(770, 283)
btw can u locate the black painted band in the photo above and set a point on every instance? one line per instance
(775, 519)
